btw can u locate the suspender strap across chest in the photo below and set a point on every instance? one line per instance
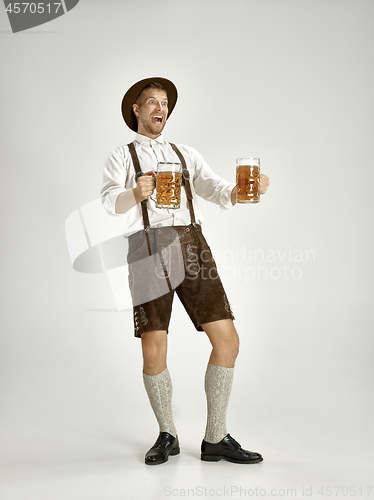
(138, 173)
(185, 183)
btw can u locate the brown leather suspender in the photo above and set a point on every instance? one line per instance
(186, 182)
(139, 173)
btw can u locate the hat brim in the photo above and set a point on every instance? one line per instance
(133, 92)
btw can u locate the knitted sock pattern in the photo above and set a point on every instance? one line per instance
(218, 383)
(159, 390)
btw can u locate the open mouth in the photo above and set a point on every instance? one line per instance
(157, 119)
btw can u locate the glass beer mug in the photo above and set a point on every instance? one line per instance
(168, 185)
(247, 180)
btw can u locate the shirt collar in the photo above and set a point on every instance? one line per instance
(142, 139)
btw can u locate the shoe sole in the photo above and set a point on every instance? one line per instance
(217, 458)
(175, 451)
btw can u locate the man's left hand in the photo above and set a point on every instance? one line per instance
(262, 188)
(264, 184)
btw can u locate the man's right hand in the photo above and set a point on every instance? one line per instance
(145, 187)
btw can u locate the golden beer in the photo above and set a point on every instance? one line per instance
(247, 180)
(168, 185)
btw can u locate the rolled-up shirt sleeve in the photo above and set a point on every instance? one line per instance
(211, 186)
(114, 180)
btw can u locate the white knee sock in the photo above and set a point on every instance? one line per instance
(159, 390)
(218, 382)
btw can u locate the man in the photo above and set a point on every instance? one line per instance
(127, 188)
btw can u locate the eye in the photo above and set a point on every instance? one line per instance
(164, 103)
(151, 101)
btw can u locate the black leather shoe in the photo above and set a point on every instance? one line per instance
(165, 445)
(228, 449)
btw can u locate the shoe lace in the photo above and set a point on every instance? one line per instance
(235, 441)
(162, 441)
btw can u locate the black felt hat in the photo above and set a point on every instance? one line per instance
(133, 92)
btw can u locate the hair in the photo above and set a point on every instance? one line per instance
(152, 85)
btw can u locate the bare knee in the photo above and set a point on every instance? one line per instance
(154, 345)
(235, 346)
(225, 342)
(230, 345)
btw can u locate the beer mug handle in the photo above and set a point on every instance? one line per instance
(150, 196)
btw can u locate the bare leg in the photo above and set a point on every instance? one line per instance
(154, 345)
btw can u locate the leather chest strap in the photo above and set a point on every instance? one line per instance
(139, 173)
(185, 182)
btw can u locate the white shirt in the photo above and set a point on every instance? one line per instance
(119, 176)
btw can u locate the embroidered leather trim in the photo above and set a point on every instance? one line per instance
(143, 317)
(192, 266)
(227, 304)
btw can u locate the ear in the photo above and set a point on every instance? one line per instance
(135, 109)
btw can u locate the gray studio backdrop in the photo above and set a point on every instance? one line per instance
(287, 81)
